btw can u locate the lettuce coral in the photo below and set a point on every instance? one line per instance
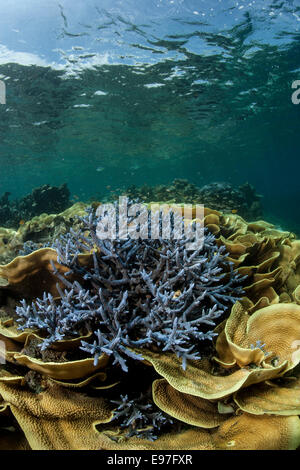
(241, 394)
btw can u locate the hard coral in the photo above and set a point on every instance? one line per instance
(221, 196)
(259, 383)
(246, 397)
(43, 199)
(138, 293)
(40, 231)
(139, 417)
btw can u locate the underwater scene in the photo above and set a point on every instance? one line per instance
(149, 225)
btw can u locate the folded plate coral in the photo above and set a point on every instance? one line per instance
(241, 393)
(38, 232)
(260, 382)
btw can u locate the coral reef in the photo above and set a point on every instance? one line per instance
(45, 199)
(247, 387)
(38, 232)
(10, 243)
(241, 394)
(137, 293)
(220, 196)
(224, 197)
(139, 417)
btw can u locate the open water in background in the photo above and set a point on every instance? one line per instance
(109, 93)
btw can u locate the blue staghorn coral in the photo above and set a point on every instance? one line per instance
(137, 293)
(140, 417)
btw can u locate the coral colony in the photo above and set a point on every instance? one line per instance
(138, 292)
(162, 293)
(223, 197)
(45, 199)
(139, 414)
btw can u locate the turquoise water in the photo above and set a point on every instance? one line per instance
(105, 94)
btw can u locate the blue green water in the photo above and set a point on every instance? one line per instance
(103, 94)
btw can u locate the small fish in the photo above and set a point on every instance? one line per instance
(135, 166)
(22, 222)
(108, 187)
(70, 35)
(86, 56)
(75, 196)
(234, 211)
(100, 168)
(177, 294)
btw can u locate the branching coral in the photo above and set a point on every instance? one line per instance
(29, 247)
(242, 393)
(137, 293)
(139, 417)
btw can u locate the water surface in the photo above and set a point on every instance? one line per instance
(105, 94)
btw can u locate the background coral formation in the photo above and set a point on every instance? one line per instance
(220, 196)
(45, 199)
